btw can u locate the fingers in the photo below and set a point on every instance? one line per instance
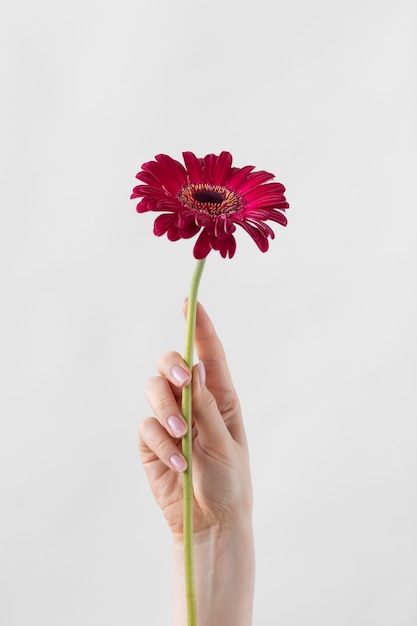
(159, 436)
(160, 395)
(163, 393)
(171, 365)
(155, 444)
(216, 410)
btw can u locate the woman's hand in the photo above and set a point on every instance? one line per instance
(221, 476)
(223, 539)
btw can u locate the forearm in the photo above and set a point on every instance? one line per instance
(224, 577)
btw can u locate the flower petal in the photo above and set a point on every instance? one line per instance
(162, 223)
(278, 217)
(231, 246)
(167, 172)
(237, 176)
(209, 167)
(259, 238)
(194, 167)
(203, 220)
(142, 207)
(185, 218)
(222, 168)
(226, 246)
(264, 191)
(255, 180)
(263, 227)
(202, 245)
(173, 167)
(173, 233)
(189, 231)
(223, 227)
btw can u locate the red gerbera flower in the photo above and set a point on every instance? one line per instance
(211, 196)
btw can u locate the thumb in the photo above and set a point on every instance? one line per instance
(211, 428)
(210, 351)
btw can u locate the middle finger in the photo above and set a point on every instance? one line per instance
(160, 396)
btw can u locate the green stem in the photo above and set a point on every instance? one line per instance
(187, 449)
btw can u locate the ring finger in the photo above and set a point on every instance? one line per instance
(155, 443)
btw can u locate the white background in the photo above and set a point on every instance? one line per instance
(320, 331)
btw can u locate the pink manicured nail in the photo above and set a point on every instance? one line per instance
(176, 426)
(180, 375)
(201, 374)
(178, 462)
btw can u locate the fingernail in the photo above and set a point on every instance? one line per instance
(176, 426)
(201, 374)
(178, 462)
(180, 375)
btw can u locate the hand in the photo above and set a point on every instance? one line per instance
(221, 476)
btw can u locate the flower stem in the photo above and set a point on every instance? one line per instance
(187, 449)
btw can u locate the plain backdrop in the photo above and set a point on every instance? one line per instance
(320, 331)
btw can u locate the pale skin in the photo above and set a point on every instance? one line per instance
(223, 538)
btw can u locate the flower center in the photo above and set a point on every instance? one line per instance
(209, 196)
(212, 200)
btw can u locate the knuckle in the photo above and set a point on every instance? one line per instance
(210, 402)
(150, 384)
(162, 447)
(206, 403)
(162, 405)
(144, 429)
(166, 360)
(143, 424)
(230, 403)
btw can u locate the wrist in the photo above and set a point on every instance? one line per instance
(215, 533)
(224, 566)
